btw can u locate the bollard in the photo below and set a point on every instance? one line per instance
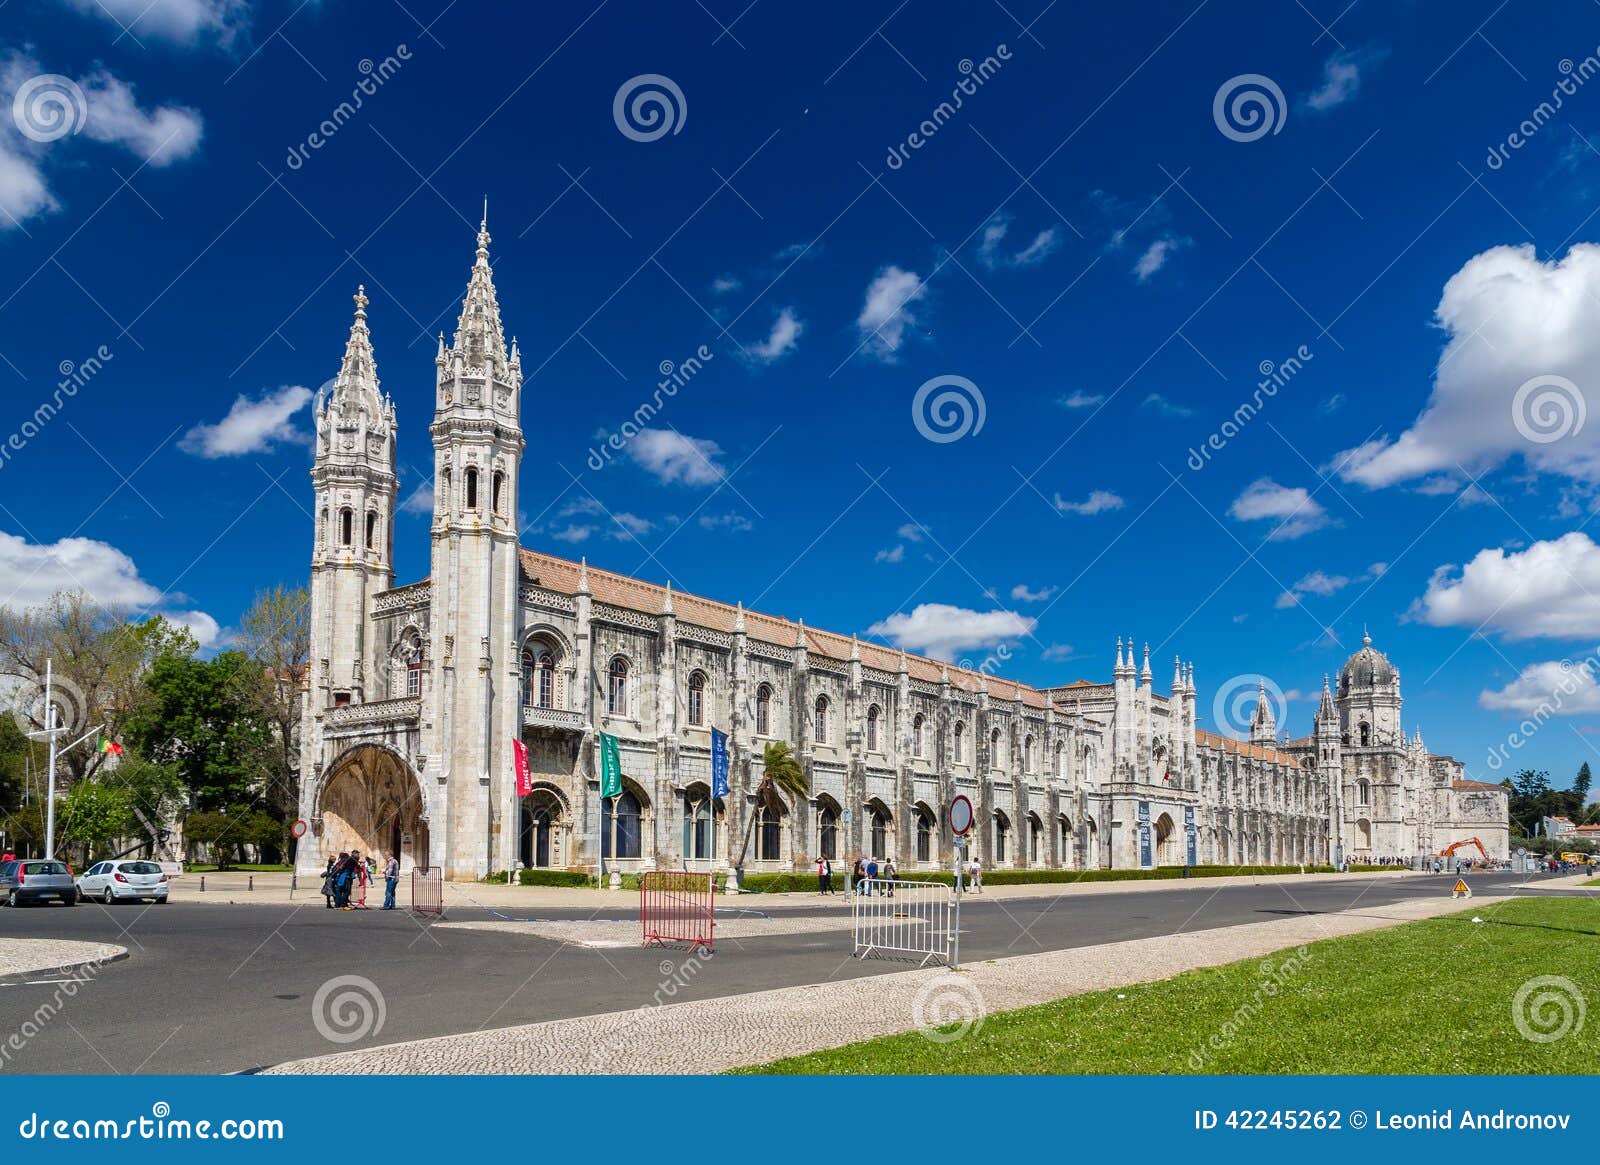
(202, 883)
(250, 882)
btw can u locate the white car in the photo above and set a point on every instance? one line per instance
(123, 880)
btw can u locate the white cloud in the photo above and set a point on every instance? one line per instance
(943, 631)
(911, 532)
(1341, 79)
(723, 284)
(1329, 405)
(1155, 257)
(99, 107)
(1550, 590)
(738, 523)
(251, 426)
(887, 312)
(1099, 501)
(1322, 584)
(187, 22)
(1511, 320)
(1023, 594)
(1057, 651)
(672, 457)
(785, 334)
(627, 527)
(31, 573)
(1078, 399)
(1296, 511)
(1166, 406)
(572, 533)
(1554, 688)
(894, 554)
(991, 255)
(419, 500)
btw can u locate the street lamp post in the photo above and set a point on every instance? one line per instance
(51, 732)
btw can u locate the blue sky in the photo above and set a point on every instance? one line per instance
(1100, 246)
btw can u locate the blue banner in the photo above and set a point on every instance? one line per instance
(1189, 828)
(719, 763)
(1146, 857)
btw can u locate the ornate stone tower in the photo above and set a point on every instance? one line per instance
(353, 475)
(1263, 722)
(1325, 734)
(477, 712)
(1369, 699)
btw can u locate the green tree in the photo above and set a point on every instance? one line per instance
(1580, 786)
(782, 771)
(94, 814)
(275, 635)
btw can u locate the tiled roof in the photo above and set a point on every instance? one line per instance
(1477, 785)
(1204, 739)
(561, 575)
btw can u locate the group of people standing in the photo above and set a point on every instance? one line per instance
(864, 871)
(348, 876)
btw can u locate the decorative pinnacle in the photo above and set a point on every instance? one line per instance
(583, 576)
(361, 301)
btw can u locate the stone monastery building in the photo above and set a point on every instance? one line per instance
(415, 695)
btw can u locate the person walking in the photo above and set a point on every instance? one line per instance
(341, 882)
(975, 875)
(872, 874)
(327, 883)
(822, 874)
(858, 877)
(361, 876)
(889, 873)
(391, 879)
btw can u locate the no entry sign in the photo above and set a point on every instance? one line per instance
(960, 814)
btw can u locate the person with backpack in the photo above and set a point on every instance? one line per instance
(824, 875)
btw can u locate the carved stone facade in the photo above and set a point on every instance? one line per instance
(416, 694)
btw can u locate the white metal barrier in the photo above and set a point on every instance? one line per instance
(917, 920)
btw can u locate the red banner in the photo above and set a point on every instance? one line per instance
(524, 781)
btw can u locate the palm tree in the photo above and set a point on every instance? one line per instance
(783, 772)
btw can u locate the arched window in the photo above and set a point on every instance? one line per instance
(472, 488)
(372, 529)
(324, 532)
(769, 834)
(699, 836)
(1002, 827)
(1035, 838)
(697, 698)
(1366, 733)
(346, 526)
(499, 491)
(873, 716)
(414, 671)
(617, 687)
(1066, 841)
(880, 833)
(1363, 793)
(764, 710)
(924, 836)
(538, 678)
(822, 720)
(961, 743)
(919, 735)
(994, 750)
(1027, 754)
(446, 499)
(621, 816)
(828, 832)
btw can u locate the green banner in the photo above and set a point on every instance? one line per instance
(610, 767)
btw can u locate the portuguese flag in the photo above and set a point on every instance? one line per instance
(110, 746)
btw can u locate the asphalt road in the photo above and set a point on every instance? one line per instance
(228, 988)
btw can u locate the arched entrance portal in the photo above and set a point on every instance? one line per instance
(542, 843)
(371, 802)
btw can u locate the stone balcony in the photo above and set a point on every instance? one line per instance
(376, 713)
(551, 718)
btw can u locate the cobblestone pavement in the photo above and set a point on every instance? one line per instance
(27, 956)
(715, 1035)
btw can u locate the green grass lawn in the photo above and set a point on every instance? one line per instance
(1426, 997)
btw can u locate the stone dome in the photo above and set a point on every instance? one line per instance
(1367, 668)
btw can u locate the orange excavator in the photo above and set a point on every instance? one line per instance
(1449, 850)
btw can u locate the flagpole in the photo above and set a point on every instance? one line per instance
(50, 790)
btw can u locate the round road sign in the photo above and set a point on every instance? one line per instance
(960, 814)
(298, 829)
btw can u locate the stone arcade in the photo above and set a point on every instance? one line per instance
(415, 695)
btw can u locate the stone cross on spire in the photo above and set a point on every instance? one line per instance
(356, 386)
(479, 338)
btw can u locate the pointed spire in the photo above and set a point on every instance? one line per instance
(855, 649)
(1145, 673)
(583, 576)
(479, 339)
(1177, 676)
(800, 633)
(357, 382)
(1366, 639)
(904, 668)
(666, 600)
(1116, 668)
(738, 620)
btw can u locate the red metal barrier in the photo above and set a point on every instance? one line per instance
(427, 890)
(675, 906)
